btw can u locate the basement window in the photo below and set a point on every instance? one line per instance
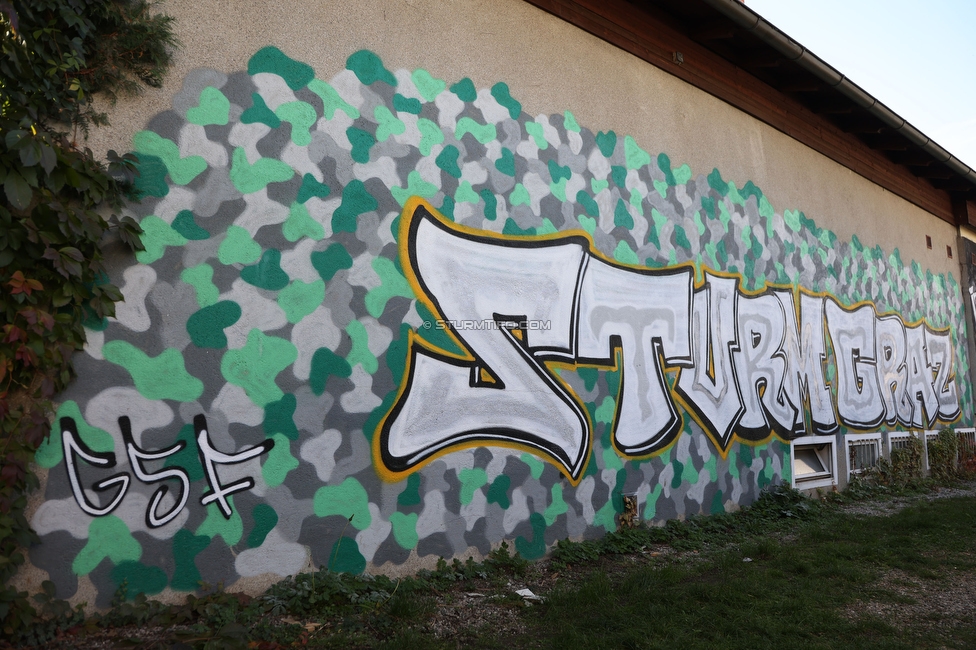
(863, 452)
(814, 462)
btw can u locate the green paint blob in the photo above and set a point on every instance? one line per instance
(156, 236)
(393, 284)
(491, 204)
(139, 578)
(302, 117)
(186, 546)
(625, 254)
(331, 101)
(430, 135)
(537, 547)
(429, 87)
(634, 155)
(588, 204)
(278, 462)
(279, 418)
(557, 171)
(300, 224)
(466, 194)
(519, 195)
(206, 327)
(606, 411)
(403, 104)
(621, 216)
(345, 557)
(405, 529)
(502, 95)
(387, 123)
(249, 178)
(538, 135)
(606, 517)
(718, 504)
(213, 108)
(471, 481)
(569, 122)
(326, 363)
(512, 228)
(447, 160)
(716, 183)
(151, 180)
(498, 492)
(589, 377)
(331, 260)
(619, 176)
(411, 493)
(359, 353)
(216, 525)
(681, 238)
(506, 164)
(599, 185)
(181, 170)
(161, 377)
(266, 274)
(611, 460)
(588, 224)
(465, 90)
(369, 68)
(483, 133)
(299, 299)
(661, 187)
(349, 500)
(259, 113)
(416, 186)
(356, 200)
(664, 164)
(557, 507)
(255, 366)
(535, 465)
(559, 189)
(185, 225)
(238, 247)
(265, 519)
(607, 142)
(270, 59)
(108, 537)
(650, 504)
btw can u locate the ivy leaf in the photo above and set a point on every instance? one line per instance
(14, 138)
(17, 190)
(49, 158)
(30, 155)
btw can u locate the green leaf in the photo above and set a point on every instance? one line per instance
(49, 158)
(18, 191)
(31, 155)
(13, 138)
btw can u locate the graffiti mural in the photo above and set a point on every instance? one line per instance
(386, 317)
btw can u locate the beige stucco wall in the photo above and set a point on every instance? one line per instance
(550, 66)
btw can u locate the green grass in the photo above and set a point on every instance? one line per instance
(790, 595)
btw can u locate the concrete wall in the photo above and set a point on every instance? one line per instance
(426, 278)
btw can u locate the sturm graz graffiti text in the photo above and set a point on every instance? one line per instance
(748, 365)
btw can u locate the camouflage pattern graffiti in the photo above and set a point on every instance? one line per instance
(386, 317)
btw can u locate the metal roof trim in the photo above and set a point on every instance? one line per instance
(775, 38)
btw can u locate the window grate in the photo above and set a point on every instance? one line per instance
(863, 454)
